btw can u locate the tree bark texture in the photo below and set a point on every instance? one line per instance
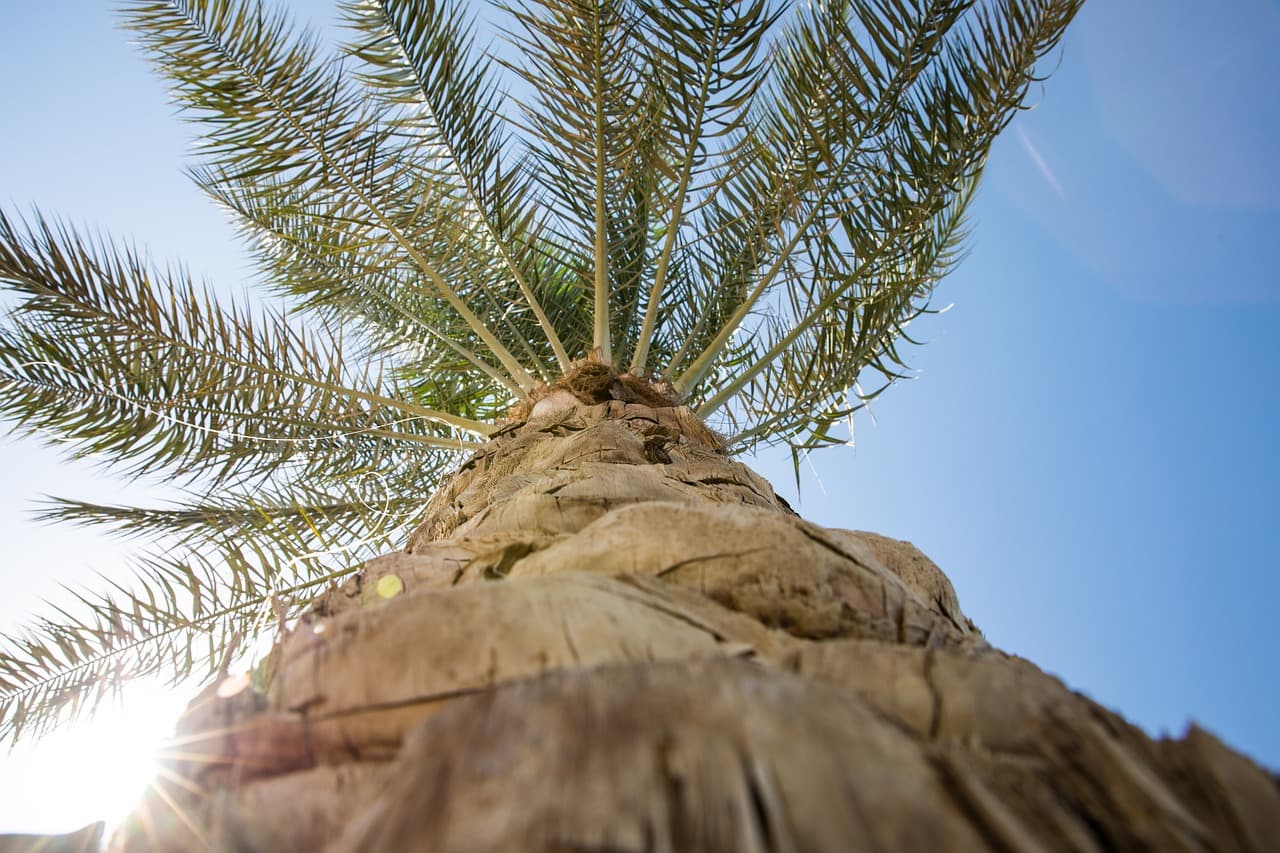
(609, 636)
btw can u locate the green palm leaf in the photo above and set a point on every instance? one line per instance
(175, 381)
(274, 107)
(183, 617)
(421, 59)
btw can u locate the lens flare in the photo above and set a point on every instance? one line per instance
(96, 769)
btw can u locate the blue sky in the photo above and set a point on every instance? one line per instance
(1088, 449)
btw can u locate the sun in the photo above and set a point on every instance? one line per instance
(94, 770)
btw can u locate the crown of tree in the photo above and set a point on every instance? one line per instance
(744, 203)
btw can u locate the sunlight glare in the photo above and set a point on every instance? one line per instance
(94, 770)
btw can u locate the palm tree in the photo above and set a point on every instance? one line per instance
(595, 264)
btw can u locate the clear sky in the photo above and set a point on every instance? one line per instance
(1089, 447)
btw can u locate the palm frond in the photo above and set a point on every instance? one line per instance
(306, 253)
(174, 380)
(821, 120)
(362, 510)
(816, 363)
(183, 617)
(422, 59)
(708, 59)
(247, 562)
(873, 128)
(581, 61)
(272, 106)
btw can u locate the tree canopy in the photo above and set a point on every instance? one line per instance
(745, 201)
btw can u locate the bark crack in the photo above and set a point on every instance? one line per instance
(680, 615)
(706, 558)
(829, 545)
(935, 712)
(769, 824)
(993, 820)
(408, 702)
(566, 628)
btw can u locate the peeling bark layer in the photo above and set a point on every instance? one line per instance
(608, 636)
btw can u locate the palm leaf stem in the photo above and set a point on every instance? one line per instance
(742, 377)
(600, 340)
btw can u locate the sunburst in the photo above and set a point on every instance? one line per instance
(96, 769)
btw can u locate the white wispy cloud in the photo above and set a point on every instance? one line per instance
(1049, 177)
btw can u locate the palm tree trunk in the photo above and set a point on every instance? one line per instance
(609, 636)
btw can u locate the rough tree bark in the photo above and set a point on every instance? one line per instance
(609, 636)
